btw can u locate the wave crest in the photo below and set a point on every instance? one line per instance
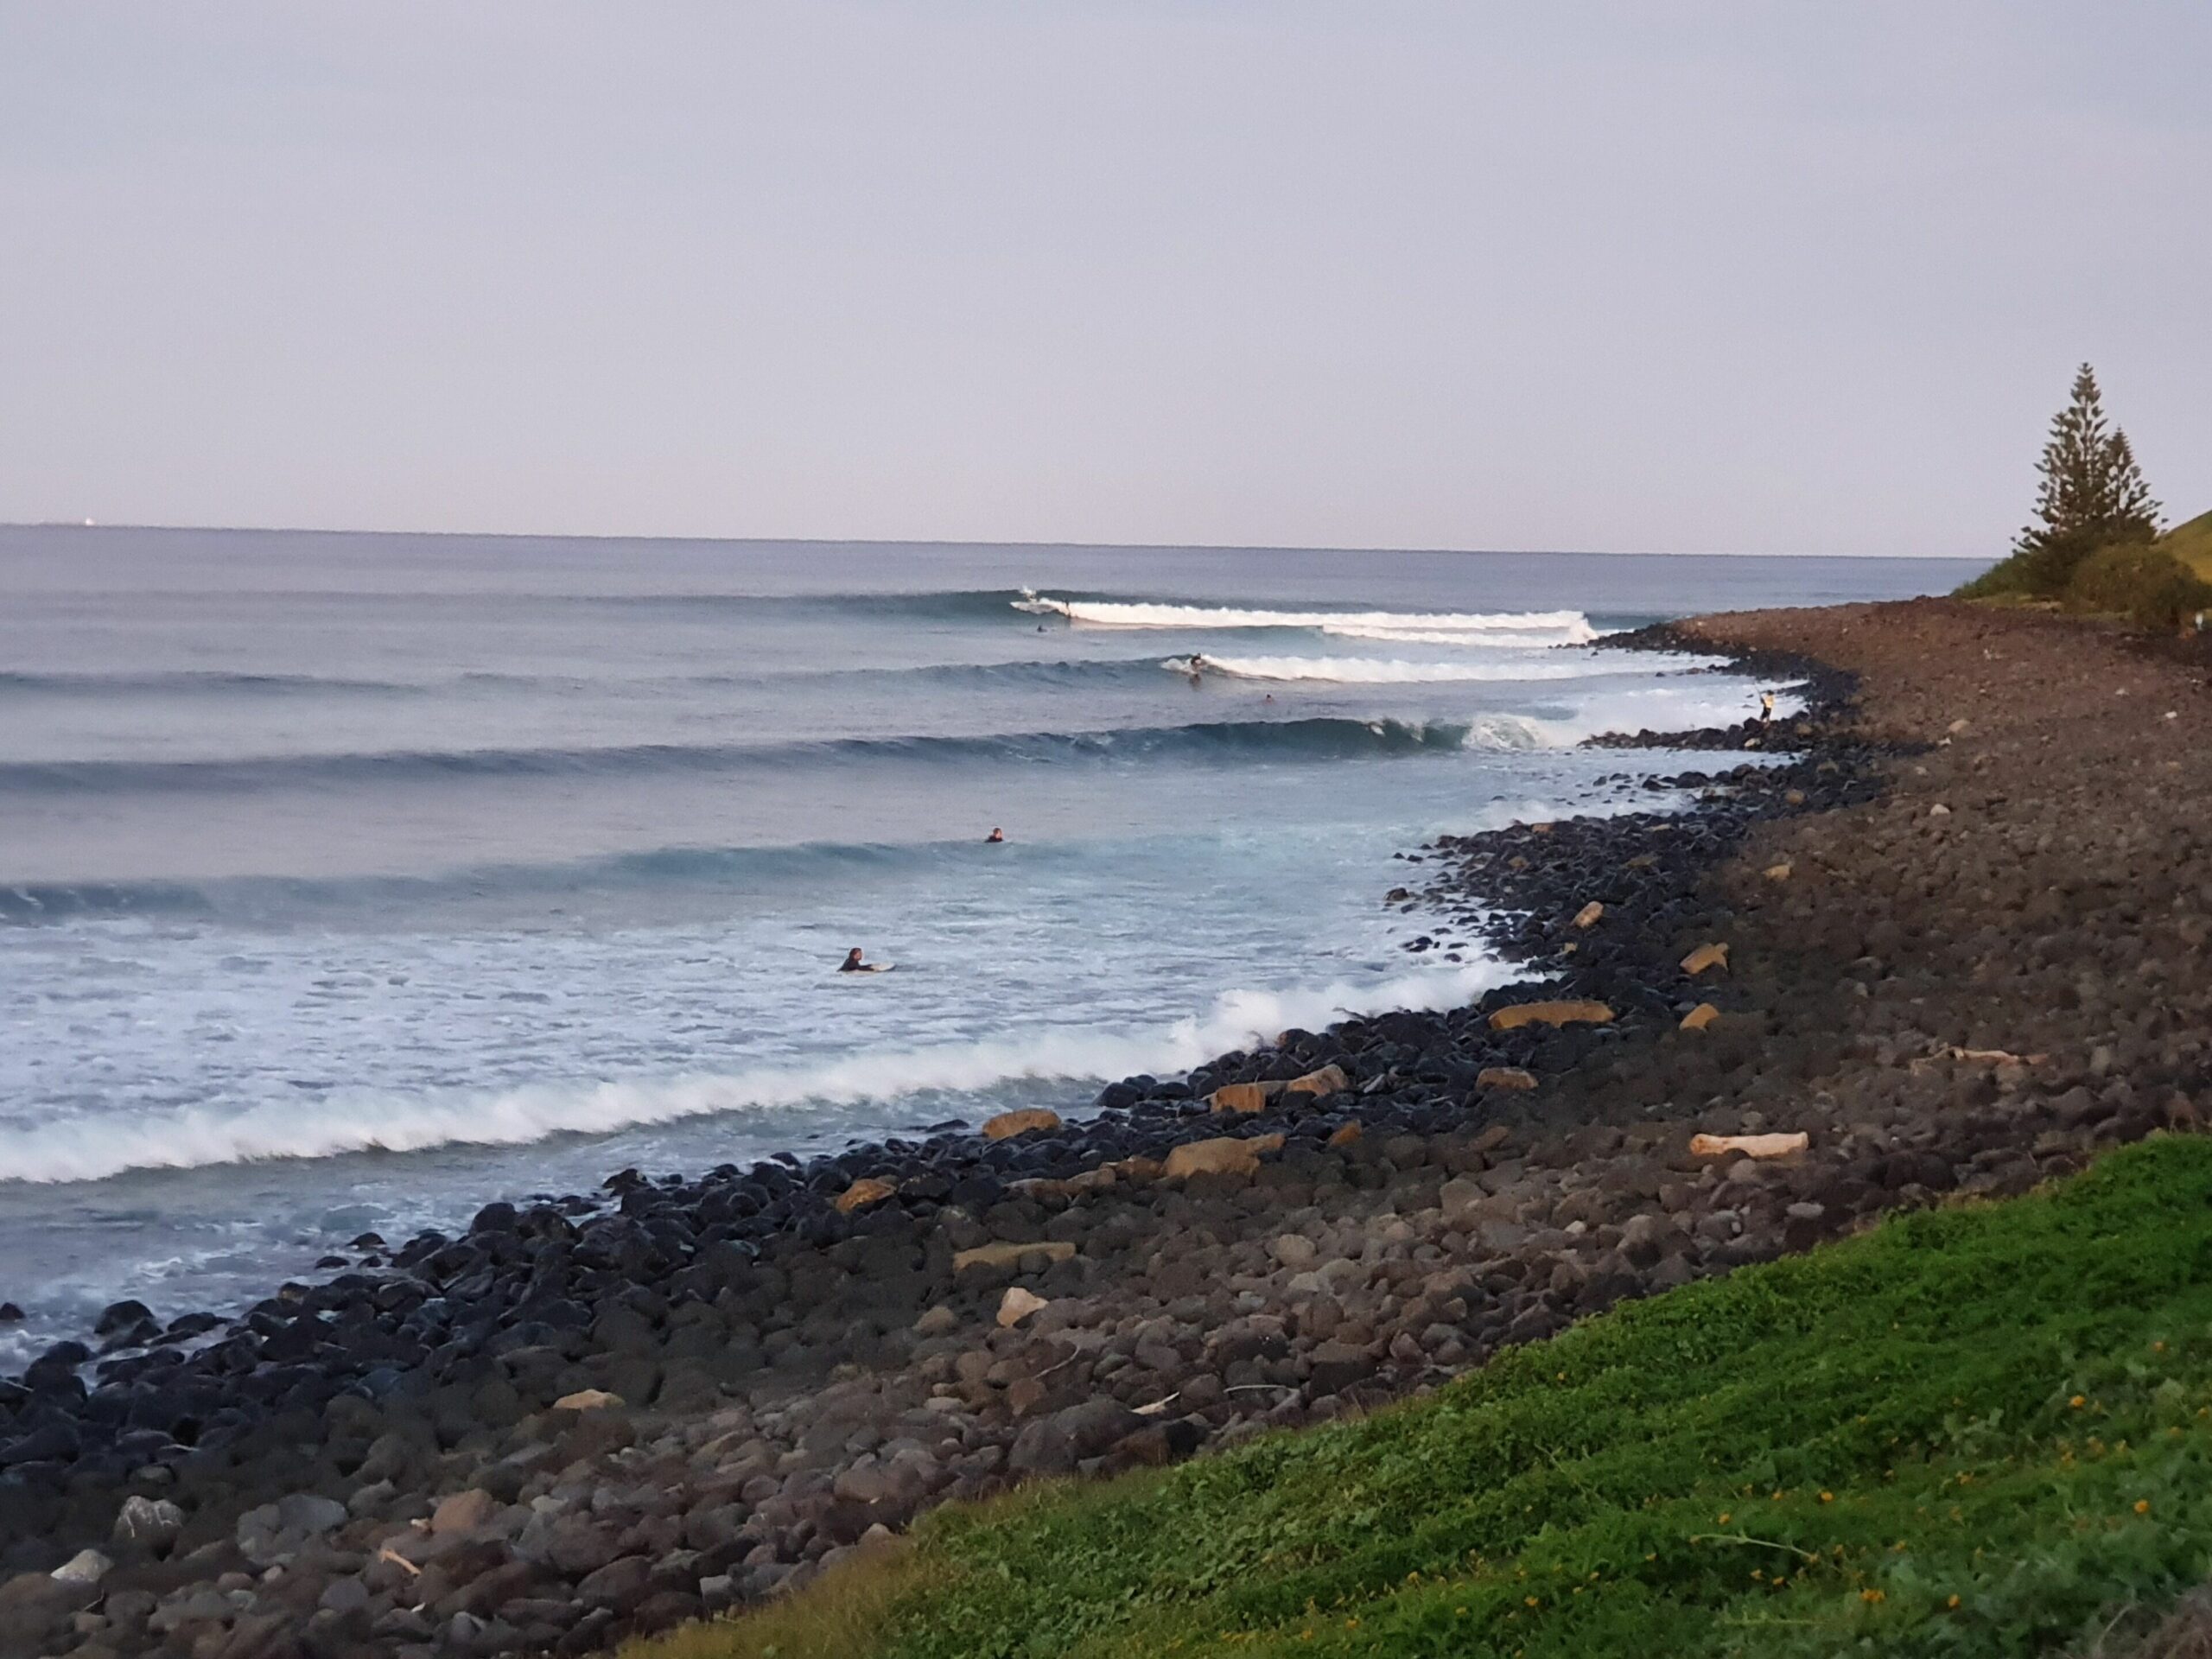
(357, 1121)
(1488, 629)
(1370, 670)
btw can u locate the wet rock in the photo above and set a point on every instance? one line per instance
(1006, 1125)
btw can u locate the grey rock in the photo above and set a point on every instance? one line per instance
(86, 1566)
(147, 1523)
(343, 1596)
(277, 1530)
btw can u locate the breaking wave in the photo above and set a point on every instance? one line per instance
(1370, 670)
(1494, 628)
(364, 1121)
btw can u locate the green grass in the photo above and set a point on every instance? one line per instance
(2191, 544)
(2133, 583)
(1979, 1430)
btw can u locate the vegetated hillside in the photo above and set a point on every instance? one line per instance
(2191, 544)
(1981, 1430)
(2156, 584)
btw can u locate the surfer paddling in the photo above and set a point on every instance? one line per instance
(853, 964)
(996, 836)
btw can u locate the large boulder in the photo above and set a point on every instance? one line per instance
(148, 1523)
(869, 1189)
(1007, 1252)
(1058, 1444)
(1007, 1124)
(1550, 1013)
(1327, 1080)
(1225, 1155)
(275, 1532)
(1242, 1096)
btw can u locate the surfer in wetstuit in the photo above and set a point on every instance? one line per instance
(996, 836)
(853, 964)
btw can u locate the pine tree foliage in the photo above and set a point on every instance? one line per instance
(2092, 494)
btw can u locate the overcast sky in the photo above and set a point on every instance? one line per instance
(1661, 277)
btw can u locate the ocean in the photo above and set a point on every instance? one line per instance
(350, 881)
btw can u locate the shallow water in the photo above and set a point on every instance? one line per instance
(347, 882)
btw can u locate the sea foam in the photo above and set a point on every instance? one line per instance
(359, 1121)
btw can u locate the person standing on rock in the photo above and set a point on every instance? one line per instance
(1766, 707)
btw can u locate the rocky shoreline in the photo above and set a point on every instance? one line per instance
(1936, 927)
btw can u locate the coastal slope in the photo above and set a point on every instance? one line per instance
(1949, 927)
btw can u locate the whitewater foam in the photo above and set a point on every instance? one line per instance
(359, 1121)
(1495, 627)
(1370, 670)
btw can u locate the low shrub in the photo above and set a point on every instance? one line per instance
(2145, 584)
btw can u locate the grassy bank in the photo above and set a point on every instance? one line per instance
(2191, 544)
(1979, 1430)
(2160, 584)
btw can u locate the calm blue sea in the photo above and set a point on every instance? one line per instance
(349, 882)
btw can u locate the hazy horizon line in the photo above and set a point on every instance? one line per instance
(928, 542)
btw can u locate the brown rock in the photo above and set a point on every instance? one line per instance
(1550, 1013)
(587, 1400)
(1226, 1154)
(463, 1511)
(868, 1190)
(1699, 1017)
(1020, 1122)
(1504, 1076)
(1018, 1305)
(1242, 1096)
(1590, 914)
(1007, 1253)
(1329, 1080)
(1778, 871)
(1748, 1145)
(1346, 1135)
(1091, 1180)
(1705, 956)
